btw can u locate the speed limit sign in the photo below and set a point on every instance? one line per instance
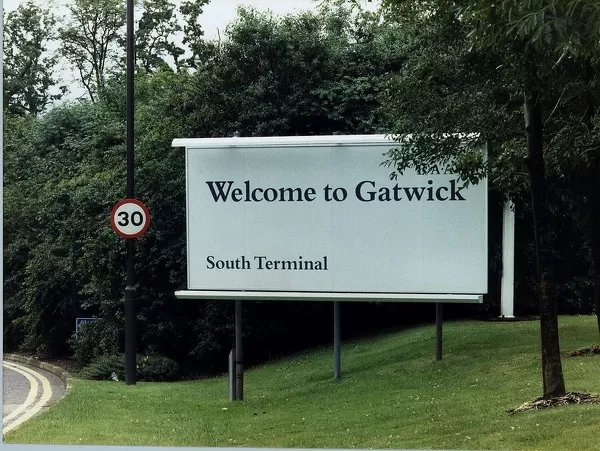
(130, 218)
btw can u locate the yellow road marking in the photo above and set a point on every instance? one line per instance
(46, 395)
(33, 384)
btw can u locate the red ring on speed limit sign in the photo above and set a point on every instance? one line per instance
(133, 218)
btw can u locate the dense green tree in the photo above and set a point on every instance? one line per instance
(303, 74)
(157, 26)
(193, 34)
(267, 77)
(16, 246)
(63, 170)
(89, 40)
(94, 39)
(27, 64)
(520, 45)
(293, 75)
(557, 40)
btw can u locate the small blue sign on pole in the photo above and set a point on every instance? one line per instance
(81, 321)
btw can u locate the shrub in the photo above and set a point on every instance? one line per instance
(102, 368)
(150, 368)
(156, 367)
(95, 339)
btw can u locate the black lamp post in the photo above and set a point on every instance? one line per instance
(130, 307)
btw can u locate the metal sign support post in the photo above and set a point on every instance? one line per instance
(239, 355)
(130, 308)
(231, 374)
(507, 294)
(337, 366)
(438, 330)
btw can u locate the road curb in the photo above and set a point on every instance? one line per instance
(57, 371)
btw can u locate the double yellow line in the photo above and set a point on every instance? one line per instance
(30, 407)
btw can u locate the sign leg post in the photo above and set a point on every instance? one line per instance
(239, 357)
(508, 262)
(231, 373)
(438, 330)
(337, 366)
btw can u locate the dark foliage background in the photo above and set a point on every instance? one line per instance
(306, 74)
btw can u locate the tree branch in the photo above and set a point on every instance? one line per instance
(555, 106)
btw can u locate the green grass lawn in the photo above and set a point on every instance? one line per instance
(393, 394)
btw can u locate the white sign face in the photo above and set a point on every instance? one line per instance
(303, 214)
(130, 218)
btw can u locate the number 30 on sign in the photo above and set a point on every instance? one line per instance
(130, 218)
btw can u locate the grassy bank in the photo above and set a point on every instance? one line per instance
(393, 394)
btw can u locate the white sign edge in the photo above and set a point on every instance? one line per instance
(327, 296)
(312, 141)
(187, 216)
(296, 141)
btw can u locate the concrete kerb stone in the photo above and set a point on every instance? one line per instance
(57, 371)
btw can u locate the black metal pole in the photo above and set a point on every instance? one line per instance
(130, 308)
(231, 374)
(337, 365)
(239, 354)
(438, 330)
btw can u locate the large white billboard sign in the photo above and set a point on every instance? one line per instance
(320, 214)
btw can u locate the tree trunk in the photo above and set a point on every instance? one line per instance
(552, 375)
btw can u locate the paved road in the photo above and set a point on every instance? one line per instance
(15, 390)
(27, 391)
